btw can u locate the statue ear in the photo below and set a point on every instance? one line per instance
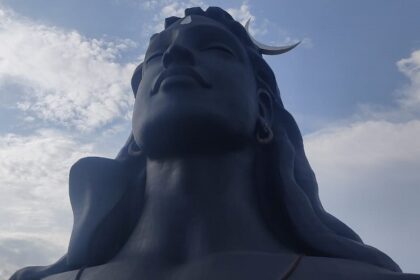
(135, 80)
(265, 105)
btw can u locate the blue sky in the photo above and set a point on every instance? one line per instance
(353, 85)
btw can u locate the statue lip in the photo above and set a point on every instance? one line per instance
(179, 71)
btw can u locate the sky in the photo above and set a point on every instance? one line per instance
(353, 86)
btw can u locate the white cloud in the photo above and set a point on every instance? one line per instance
(176, 8)
(261, 28)
(410, 99)
(67, 79)
(241, 14)
(367, 144)
(368, 172)
(34, 198)
(166, 8)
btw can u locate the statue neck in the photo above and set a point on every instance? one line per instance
(200, 205)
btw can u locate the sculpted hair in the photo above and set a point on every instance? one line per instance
(286, 173)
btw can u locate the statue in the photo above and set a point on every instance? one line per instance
(213, 182)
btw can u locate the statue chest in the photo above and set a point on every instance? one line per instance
(240, 265)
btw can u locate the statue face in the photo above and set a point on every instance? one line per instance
(198, 91)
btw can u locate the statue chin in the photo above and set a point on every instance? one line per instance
(183, 134)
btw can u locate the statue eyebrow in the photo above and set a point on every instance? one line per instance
(218, 35)
(215, 33)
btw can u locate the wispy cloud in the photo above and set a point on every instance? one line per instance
(260, 27)
(166, 8)
(241, 14)
(66, 78)
(410, 95)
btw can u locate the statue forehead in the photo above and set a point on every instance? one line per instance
(195, 22)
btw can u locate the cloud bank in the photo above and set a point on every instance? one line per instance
(65, 78)
(35, 210)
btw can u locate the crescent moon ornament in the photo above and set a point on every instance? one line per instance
(266, 49)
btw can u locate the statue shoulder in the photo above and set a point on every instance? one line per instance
(102, 200)
(93, 173)
(93, 178)
(104, 205)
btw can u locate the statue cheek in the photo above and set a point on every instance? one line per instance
(139, 113)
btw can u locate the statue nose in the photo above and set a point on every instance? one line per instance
(177, 54)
